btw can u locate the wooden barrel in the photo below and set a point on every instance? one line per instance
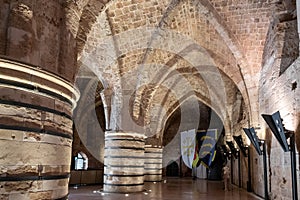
(153, 164)
(124, 162)
(35, 133)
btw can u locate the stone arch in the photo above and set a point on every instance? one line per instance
(81, 161)
(172, 169)
(219, 31)
(89, 12)
(223, 113)
(206, 9)
(226, 122)
(86, 120)
(162, 75)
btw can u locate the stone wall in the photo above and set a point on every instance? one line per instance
(284, 97)
(137, 48)
(34, 32)
(257, 62)
(244, 171)
(4, 10)
(279, 91)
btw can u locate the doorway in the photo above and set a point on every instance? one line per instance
(173, 169)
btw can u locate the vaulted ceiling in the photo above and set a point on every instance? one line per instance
(155, 55)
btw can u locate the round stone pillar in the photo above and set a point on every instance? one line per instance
(153, 163)
(124, 162)
(35, 132)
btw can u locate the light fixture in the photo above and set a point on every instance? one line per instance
(250, 132)
(225, 150)
(232, 148)
(240, 143)
(274, 121)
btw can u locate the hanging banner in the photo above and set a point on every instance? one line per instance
(196, 160)
(207, 144)
(188, 147)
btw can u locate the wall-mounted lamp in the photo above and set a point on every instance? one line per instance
(274, 121)
(257, 143)
(232, 149)
(226, 152)
(240, 143)
(250, 132)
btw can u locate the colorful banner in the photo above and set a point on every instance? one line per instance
(188, 147)
(207, 143)
(196, 160)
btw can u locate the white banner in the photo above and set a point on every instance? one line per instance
(188, 147)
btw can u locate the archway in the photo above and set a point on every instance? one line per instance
(173, 169)
(81, 161)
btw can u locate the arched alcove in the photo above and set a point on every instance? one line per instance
(172, 169)
(207, 120)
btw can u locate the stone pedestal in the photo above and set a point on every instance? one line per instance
(124, 162)
(153, 164)
(35, 132)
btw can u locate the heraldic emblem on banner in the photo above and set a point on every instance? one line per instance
(188, 139)
(198, 148)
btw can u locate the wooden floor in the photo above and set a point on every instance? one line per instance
(169, 189)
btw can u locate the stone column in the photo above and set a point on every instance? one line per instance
(124, 162)
(35, 132)
(153, 163)
(106, 96)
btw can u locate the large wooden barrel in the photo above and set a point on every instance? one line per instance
(124, 162)
(35, 133)
(153, 163)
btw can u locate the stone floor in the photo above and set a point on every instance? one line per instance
(169, 189)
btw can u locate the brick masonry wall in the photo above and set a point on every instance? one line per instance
(127, 49)
(277, 94)
(43, 32)
(35, 32)
(279, 91)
